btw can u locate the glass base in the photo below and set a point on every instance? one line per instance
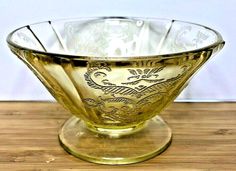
(151, 140)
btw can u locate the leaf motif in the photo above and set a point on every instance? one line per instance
(139, 71)
(132, 71)
(158, 69)
(155, 70)
(146, 70)
(137, 77)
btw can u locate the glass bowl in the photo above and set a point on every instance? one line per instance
(115, 75)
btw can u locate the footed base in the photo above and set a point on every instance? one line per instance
(91, 146)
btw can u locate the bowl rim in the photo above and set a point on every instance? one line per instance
(219, 41)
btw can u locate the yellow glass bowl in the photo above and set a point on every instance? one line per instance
(115, 75)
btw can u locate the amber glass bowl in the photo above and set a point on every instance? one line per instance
(115, 75)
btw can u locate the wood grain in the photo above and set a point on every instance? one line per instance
(204, 139)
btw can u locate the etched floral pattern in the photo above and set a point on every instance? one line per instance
(133, 93)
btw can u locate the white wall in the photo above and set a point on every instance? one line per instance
(214, 82)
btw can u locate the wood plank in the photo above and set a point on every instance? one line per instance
(204, 139)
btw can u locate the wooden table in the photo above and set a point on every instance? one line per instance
(204, 139)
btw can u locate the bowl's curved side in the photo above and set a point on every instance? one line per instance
(115, 94)
(115, 91)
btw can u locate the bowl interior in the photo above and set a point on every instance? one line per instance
(114, 37)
